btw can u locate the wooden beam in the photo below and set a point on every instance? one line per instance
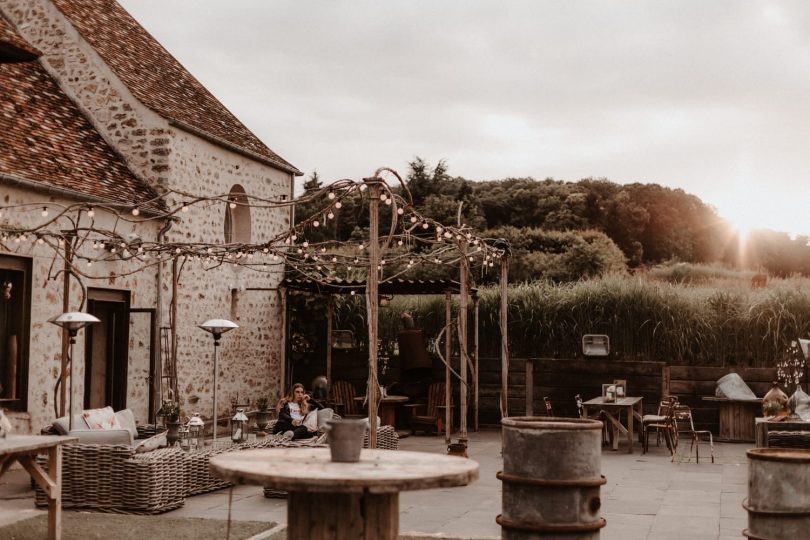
(504, 337)
(372, 304)
(475, 352)
(448, 351)
(462, 341)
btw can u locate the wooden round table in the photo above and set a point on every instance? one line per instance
(343, 500)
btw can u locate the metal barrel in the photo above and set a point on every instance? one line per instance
(778, 502)
(551, 478)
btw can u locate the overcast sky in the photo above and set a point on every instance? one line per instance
(709, 96)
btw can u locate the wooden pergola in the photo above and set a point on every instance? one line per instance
(409, 287)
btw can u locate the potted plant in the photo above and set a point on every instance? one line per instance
(170, 412)
(263, 414)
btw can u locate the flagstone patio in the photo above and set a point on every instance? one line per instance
(646, 496)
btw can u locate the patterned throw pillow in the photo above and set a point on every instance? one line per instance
(101, 419)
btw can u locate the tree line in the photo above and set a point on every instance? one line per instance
(563, 231)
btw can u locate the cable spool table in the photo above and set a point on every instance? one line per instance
(329, 500)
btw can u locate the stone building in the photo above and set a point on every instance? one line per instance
(94, 110)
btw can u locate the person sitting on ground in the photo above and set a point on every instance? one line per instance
(292, 414)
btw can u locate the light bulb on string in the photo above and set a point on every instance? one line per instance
(334, 259)
(413, 219)
(448, 234)
(352, 293)
(91, 212)
(305, 244)
(338, 205)
(61, 242)
(232, 205)
(135, 211)
(400, 211)
(439, 229)
(383, 196)
(184, 208)
(388, 201)
(425, 225)
(361, 247)
(331, 195)
(44, 211)
(40, 240)
(330, 215)
(316, 223)
(363, 187)
(89, 263)
(400, 242)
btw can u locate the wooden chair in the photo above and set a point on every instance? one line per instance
(343, 394)
(432, 418)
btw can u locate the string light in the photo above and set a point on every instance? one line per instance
(338, 205)
(184, 208)
(91, 212)
(44, 211)
(135, 211)
(331, 195)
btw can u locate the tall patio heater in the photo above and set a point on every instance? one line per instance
(217, 327)
(72, 322)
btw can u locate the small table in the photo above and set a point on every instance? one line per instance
(736, 418)
(632, 407)
(343, 500)
(23, 448)
(388, 408)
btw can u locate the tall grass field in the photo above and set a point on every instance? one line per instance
(685, 316)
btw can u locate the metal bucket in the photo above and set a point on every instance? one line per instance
(346, 439)
(778, 500)
(551, 478)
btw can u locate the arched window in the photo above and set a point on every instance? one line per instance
(237, 217)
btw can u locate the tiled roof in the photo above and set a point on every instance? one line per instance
(156, 78)
(47, 141)
(12, 47)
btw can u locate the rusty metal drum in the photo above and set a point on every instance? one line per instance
(551, 478)
(778, 502)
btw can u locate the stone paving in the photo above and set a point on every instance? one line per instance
(646, 496)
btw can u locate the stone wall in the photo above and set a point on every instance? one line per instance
(250, 357)
(45, 345)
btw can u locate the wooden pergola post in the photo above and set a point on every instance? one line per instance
(282, 296)
(475, 361)
(329, 302)
(65, 339)
(372, 304)
(448, 351)
(504, 336)
(462, 343)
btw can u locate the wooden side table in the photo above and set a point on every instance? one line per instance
(331, 500)
(24, 448)
(736, 418)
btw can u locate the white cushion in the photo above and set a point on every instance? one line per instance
(126, 419)
(311, 421)
(324, 415)
(152, 443)
(103, 418)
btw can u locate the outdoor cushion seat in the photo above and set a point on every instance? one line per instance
(126, 434)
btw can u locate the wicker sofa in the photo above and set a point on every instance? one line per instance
(116, 478)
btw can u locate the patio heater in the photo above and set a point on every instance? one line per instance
(217, 327)
(72, 322)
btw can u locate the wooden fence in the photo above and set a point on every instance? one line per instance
(530, 380)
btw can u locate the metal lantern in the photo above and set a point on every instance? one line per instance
(182, 435)
(239, 426)
(196, 431)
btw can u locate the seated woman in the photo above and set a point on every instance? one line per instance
(292, 410)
